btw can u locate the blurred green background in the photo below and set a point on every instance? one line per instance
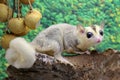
(85, 12)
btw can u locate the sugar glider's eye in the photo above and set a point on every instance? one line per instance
(89, 35)
(101, 32)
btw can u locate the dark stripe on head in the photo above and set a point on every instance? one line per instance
(94, 28)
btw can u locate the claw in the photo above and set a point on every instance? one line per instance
(66, 62)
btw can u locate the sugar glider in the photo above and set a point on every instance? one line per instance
(53, 41)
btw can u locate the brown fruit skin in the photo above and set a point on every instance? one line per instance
(6, 40)
(32, 18)
(24, 33)
(5, 12)
(26, 1)
(3, 1)
(16, 25)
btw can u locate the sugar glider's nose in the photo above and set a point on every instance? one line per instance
(99, 40)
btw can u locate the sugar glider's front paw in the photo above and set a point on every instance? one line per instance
(66, 62)
(85, 52)
(69, 63)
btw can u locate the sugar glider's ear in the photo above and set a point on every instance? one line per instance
(80, 28)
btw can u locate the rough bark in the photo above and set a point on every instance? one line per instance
(102, 66)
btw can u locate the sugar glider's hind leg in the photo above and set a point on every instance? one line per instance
(58, 56)
(47, 47)
(53, 48)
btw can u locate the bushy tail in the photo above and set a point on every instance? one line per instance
(20, 53)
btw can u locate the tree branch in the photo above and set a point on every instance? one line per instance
(105, 66)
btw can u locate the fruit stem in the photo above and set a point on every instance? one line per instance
(0, 41)
(14, 7)
(8, 10)
(18, 7)
(30, 5)
(8, 18)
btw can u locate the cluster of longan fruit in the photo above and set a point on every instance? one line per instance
(18, 26)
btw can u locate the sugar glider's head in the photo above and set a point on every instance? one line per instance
(91, 35)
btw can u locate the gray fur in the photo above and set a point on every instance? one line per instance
(60, 37)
